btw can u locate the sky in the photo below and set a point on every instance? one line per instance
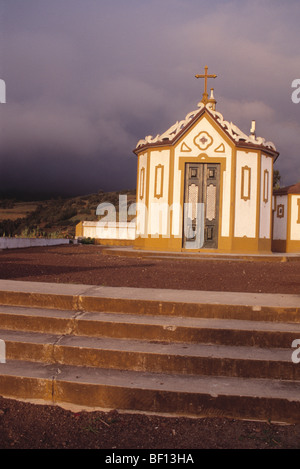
(87, 79)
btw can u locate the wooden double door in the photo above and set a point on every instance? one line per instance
(201, 206)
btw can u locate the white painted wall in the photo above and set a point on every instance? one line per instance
(226, 196)
(18, 243)
(109, 230)
(265, 207)
(245, 210)
(295, 226)
(280, 224)
(158, 208)
(140, 206)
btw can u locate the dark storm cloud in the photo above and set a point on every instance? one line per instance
(86, 79)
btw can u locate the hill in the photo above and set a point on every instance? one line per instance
(53, 218)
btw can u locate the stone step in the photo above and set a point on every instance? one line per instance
(201, 396)
(150, 356)
(149, 327)
(163, 351)
(222, 305)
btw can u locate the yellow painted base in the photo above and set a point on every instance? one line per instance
(158, 244)
(293, 246)
(226, 245)
(79, 230)
(114, 242)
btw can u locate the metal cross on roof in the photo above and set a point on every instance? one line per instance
(205, 76)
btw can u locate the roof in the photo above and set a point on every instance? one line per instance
(294, 189)
(238, 137)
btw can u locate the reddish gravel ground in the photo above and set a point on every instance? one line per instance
(32, 426)
(86, 264)
(25, 425)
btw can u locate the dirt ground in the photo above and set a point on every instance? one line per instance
(86, 264)
(32, 426)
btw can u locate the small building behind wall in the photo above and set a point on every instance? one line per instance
(286, 219)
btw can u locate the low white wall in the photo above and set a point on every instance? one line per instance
(109, 230)
(14, 243)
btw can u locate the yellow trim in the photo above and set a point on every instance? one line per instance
(158, 194)
(115, 242)
(137, 193)
(79, 230)
(293, 246)
(278, 209)
(220, 148)
(205, 147)
(185, 148)
(243, 195)
(266, 186)
(142, 183)
(251, 245)
(158, 244)
(265, 245)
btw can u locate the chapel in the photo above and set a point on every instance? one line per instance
(204, 185)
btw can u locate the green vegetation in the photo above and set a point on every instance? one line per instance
(57, 217)
(87, 241)
(276, 179)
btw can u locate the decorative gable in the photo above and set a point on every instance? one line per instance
(180, 128)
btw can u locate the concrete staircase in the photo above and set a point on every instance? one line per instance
(162, 351)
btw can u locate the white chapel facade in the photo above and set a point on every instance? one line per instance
(205, 186)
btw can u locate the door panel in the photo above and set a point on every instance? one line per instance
(201, 205)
